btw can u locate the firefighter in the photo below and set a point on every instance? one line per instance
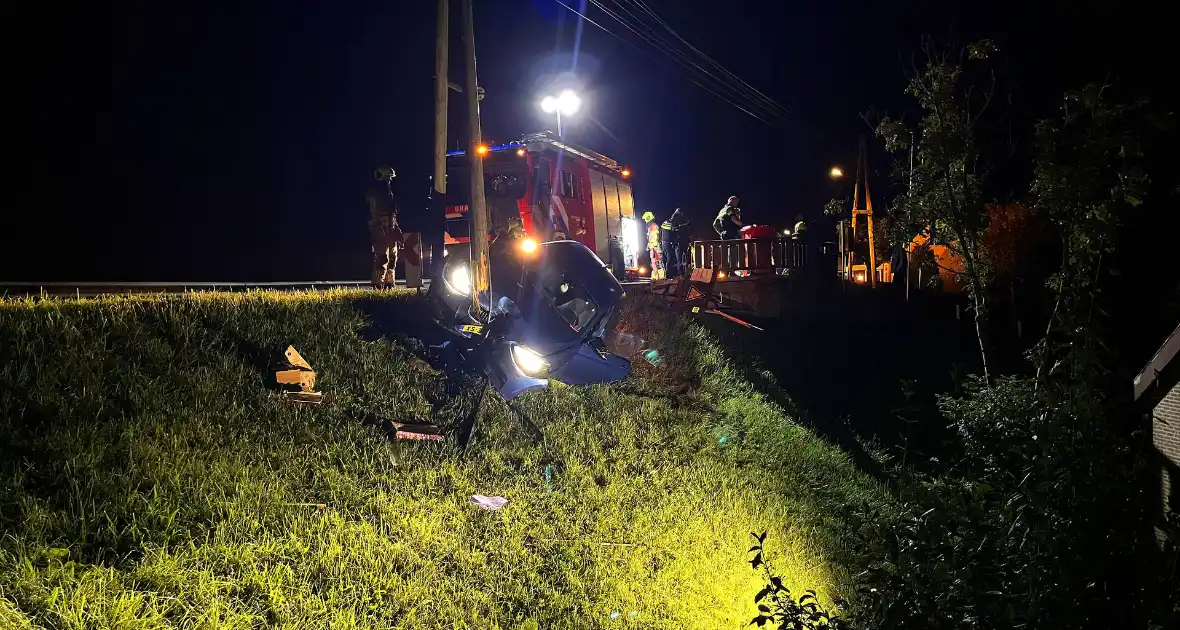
(653, 243)
(672, 241)
(800, 231)
(728, 223)
(385, 235)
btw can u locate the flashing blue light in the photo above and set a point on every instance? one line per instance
(499, 147)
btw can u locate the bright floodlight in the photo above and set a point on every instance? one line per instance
(836, 172)
(566, 103)
(569, 102)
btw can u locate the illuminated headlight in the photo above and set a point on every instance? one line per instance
(528, 362)
(460, 279)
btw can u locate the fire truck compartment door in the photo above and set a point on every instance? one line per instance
(626, 201)
(598, 206)
(611, 187)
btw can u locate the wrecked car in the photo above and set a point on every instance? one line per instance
(552, 306)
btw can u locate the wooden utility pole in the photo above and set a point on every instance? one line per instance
(480, 256)
(441, 62)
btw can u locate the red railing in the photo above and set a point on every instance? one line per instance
(756, 254)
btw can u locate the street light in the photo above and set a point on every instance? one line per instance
(566, 103)
(836, 172)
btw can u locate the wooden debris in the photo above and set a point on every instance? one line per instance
(307, 398)
(300, 375)
(303, 378)
(417, 431)
(296, 359)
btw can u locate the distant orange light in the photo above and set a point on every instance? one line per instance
(481, 149)
(520, 153)
(626, 172)
(528, 246)
(721, 275)
(643, 271)
(860, 277)
(836, 172)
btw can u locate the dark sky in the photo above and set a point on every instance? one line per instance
(232, 140)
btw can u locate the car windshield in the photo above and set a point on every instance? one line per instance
(570, 299)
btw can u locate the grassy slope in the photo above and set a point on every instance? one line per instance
(150, 477)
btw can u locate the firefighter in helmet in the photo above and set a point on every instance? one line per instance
(800, 227)
(385, 236)
(728, 223)
(653, 242)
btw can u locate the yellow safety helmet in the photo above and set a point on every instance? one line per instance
(649, 217)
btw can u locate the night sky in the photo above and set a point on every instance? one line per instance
(233, 140)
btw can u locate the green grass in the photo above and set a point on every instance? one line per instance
(151, 477)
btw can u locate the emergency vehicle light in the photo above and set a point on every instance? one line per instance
(492, 149)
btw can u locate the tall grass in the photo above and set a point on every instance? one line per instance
(151, 477)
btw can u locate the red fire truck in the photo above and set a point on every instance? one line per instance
(558, 190)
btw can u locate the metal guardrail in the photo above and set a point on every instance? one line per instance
(749, 254)
(90, 289)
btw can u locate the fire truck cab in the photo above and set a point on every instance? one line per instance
(558, 190)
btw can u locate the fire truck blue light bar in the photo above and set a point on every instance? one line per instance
(499, 147)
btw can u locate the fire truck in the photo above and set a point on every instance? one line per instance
(558, 190)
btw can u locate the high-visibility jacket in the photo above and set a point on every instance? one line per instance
(653, 236)
(672, 232)
(725, 219)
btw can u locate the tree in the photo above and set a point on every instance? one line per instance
(939, 167)
(1087, 173)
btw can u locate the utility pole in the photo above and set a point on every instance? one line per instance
(441, 62)
(438, 194)
(480, 263)
(862, 172)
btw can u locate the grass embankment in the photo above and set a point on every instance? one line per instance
(152, 477)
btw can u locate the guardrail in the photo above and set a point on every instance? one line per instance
(79, 289)
(756, 254)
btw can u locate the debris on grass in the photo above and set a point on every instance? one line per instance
(307, 398)
(420, 430)
(626, 344)
(488, 503)
(653, 357)
(300, 375)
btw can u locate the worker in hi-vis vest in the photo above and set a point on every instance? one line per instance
(653, 243)
(728, 223)
(672, 240)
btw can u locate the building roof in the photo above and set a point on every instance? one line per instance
(1150, 373)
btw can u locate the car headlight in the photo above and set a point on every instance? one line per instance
(460, 279)
(528, 362)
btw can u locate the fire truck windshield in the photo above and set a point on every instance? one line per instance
(458, 227)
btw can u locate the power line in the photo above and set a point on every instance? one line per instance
(708, 89)
(643, 5)
(672, 50)
(745, 105)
